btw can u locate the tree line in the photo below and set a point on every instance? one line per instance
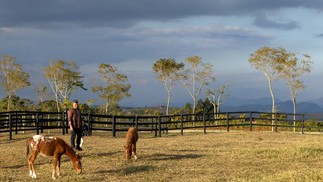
(193, 74)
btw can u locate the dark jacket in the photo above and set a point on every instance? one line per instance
(74, 117)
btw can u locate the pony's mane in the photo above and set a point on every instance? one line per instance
(69, 150)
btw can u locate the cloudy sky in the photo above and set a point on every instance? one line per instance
(132, 35)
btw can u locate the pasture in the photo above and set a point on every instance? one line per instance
(217, 156)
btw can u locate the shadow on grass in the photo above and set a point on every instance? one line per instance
(127, 170)
(99, 154)
(14, 166)
(174, 156)
(184, 150)
(6, 141)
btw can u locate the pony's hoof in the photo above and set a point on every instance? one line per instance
(33, 175)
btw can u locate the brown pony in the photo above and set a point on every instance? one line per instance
(131, 138)
(51, 146)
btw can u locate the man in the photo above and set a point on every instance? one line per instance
(75, 123)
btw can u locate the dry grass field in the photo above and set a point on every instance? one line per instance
(222, 156)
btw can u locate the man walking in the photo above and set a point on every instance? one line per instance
(75, 123)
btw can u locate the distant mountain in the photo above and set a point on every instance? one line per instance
(235, 104)
(259, 101)
(302, 107)
(318, 101)
(264, 105)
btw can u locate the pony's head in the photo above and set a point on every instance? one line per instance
(128, 151)
(77, 164)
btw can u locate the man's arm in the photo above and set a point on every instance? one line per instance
(69, 118)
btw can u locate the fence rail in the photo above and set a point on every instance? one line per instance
(15, 122)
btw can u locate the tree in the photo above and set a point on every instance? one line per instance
(204, 107)
(271, 62)
(199, 106)
(217, 97)
(292, 73)
(187, 108)
(12, 77)
(112, 87)
(48, 106)
(16, 104)
(63, 79)
(197, 75)
(168, 71)
(42, 93)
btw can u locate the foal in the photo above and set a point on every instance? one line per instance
(131, 138)
(51, 146)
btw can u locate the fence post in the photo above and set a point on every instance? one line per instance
(10, 127)
(156, 126)
(113, 126)
(42, 125)
(136, 121)
(37, 123)
(16, 123)
(303, 123)
(227, 122)
(152, 125)
(89, 125)
(250, 119)
(182, 124)
(204, 123)
(276, 122)
(159, 126)
(63, 123)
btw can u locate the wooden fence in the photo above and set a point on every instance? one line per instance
(39, 122)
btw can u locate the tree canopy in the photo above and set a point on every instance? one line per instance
(63, 78)
(197, 75)
(111, 87)
(271, 62)
(12, 77)
(167, 70)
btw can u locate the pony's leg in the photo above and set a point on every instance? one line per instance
(134, 151)
(59, 166)
(54, 166)
(81, 142)
(31, 161)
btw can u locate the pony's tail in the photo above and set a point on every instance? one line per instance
(27, 148)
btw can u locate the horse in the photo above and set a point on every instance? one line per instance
(131, 138)
(51, 146)
(85, 132)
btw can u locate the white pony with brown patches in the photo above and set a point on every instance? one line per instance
(131, 138)
(51, 146)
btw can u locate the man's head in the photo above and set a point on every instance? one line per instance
(75, 104)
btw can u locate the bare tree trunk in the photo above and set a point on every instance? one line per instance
(294, 105)
(273, 108)
(57, 104)
(168, 101)
(215, 113)
(8, 103)
(106, 108)
(194, 109)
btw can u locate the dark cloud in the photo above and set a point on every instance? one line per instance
(123, 13)
(264, 22)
